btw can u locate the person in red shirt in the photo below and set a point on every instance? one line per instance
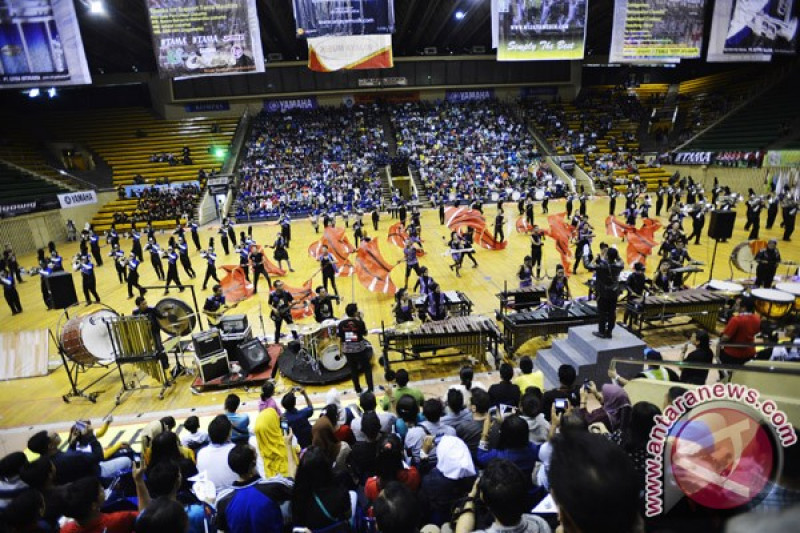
(389, 467)
(741, 329)
(85, 498)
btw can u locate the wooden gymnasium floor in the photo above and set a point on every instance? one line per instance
(25, 402)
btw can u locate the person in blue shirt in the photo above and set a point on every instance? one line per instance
(133, 275)
(10, 291)
(298, 418)
(118, 256)
(194, 227)
(89, 280)
(240, 424)
(186, 262)
(436, 303)
(211, 267)
(172, 270)
(155, 257)
(56, 262)
(94, 246)
(136, 237)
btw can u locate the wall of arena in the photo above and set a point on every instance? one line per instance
(738, 179)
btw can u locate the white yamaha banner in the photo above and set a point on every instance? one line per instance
(77, 199)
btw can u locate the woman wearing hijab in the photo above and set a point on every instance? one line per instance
(323, 436)
(271, 446)
(615, 406)
(450, 481)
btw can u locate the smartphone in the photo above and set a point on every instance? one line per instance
(285, 427)
(560, 404)
(80, 426)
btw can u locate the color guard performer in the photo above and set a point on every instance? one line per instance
(257, 261)
(410, 257)
(281, 254)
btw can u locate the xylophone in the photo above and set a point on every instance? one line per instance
(457, 304)
(521, 298)
(472, 335)
(701, 305)
(518, 328)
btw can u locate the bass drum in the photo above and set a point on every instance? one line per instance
(85, 338)
(331, 358)
(743, 259)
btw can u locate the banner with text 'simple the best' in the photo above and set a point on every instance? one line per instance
(352, 52)
(656, 31)
(319, 18)
(536, 31)
(40, 44)
(205, 37)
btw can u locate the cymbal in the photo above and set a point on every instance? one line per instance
(179, 318)
(309, 329)
(407, 327)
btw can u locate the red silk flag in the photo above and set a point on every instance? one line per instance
(301, 296)
(561, 232)
(339, 246)
(373, 270)
(235, 286)
(523, 226)
(399, 236)
(641, 241)
(461, 217)
(271, 268)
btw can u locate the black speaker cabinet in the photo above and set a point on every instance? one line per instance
(252, 356)
(207, 342)
(62, 289)
(721, 226)
(213, 365)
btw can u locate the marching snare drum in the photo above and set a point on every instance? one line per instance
(539, 195)
(515, 196)
(771, 303)
(86, 340)
(792, 288)
(726, 287)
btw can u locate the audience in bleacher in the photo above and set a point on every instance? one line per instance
(165, 203)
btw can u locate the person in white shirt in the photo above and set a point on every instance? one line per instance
(368, 404)
(213, 459)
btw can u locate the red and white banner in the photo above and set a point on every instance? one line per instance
(351, 52)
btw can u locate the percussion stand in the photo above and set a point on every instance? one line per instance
(713, 260)
(194, 300)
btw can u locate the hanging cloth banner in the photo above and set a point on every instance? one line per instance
(353, 52)
(319, 18)
(205, 38)
(534, 31)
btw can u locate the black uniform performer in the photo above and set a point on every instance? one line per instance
(286, 228)
(133, 275)
(94, 246)
(355, 348)
(772, 210)
(755, 217)
(358, 232)
(280, 254)
(698, 221)
(136, 247)
(211, 267)
(172, 270)
(323, 308)
(44, 272)
(257, 260)
(193, 227)
(768, 260)
(537, 241)
(231, 232)
(10, 291)
(155, 257)
(142, 309)
(607, 269)
(281, 302)
(375, 218)
(499, 221)
(223, 238)
(89, 280)
(789, 218)
(327, 264)
(660, 199)
(186, 262)
(529, 215)
(612, 202)
(118, 256)
(469, 238)
(10, 262)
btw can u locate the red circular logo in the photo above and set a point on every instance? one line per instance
(722, 457)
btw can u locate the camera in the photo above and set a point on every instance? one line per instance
(560, 405)
(285, 427)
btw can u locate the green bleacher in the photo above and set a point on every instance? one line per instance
(18, 186)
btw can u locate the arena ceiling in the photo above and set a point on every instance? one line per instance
(120, 40)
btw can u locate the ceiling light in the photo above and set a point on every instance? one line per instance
(33, 93)
(96, 7)
(51, 92)
(460, 15)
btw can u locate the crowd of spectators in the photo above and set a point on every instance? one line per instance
(470, 150)
(162, 203)
(302, 161)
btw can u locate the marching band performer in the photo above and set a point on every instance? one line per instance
(525, 273)
(44, 270)
(193, 229)
(698, 215)
(583, 244)
(118, 256)
(136, 237)
(469, 238)
(183, 253)
(607, 268)
(94, 246)
(211, 260)
(558, 292)
(768, 260)
(403, 307)
(155, 257)
(10, 290)
(286, 227)
(244, 259)
(223, 237)
(56, 262)
(133, 275)
(172, 270)
(327, 264)
(455, 251)
(537, 242)
(773, 202)
(499, 222)
(112, 237)
(424, 282)
(664, 279)
(411, 259)
(89, 279)
(323, 308)
(435, 303)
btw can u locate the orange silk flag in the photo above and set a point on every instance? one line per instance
(339, 246)
(462, 217)
(373, 270)
(561, 232)
(399, 236)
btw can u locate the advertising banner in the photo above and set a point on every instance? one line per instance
(32, 206)
(287, 104)
(469, 96)
(656, 31)
(319, 18)
(783, 158)
(750, 31)
(205, 37)
(536, 31)
(693, 158)
(204, 107)
(77, 199)
(41, 45)
(354, 52)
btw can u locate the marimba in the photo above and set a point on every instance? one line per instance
(466, 335)
(518, 328)
(521, 298)
(701, 305)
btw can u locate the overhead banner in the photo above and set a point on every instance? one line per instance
(20, 208)
(353, 52)
(319, 18)
(205, 37)
(77, 199)
(656, 31)
(536, 31)
(752, 31)
(41, 45)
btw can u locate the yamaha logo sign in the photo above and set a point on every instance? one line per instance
(693, 158)
(76, 199)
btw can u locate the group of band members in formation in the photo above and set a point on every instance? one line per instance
(681, 199)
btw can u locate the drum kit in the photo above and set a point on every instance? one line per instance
(321, 345)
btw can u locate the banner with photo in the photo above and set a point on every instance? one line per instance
(205, 37)
(750, 30)
(656, 31)
(319, 18)
(41, 45)
(783, 158)
(536, 31)
(352, 52)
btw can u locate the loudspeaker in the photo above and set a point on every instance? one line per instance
(721, 226)
(62, 289)
(213, 366)
(252, 356)
(207, 342)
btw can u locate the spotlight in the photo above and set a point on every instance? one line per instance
(51, 92)
(96, 7)
(33, 93)
(460, 15)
